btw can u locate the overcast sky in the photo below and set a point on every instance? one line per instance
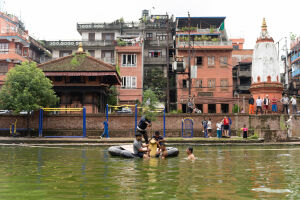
(56, 19)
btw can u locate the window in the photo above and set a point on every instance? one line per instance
(92, 78)
(161, 36)
(155, 53)
(64, 53)
(149, 35)
(212, 108)
(235, 47)
(211, 83)
(199, 83)
(108, 36)
(3, 68)
(223, 61)
(224, 83)
(92, 52)
(4, 48)
(129, 82)
(211, 60)
(58, 78)
(199, 60)
(76, 79)
(185, 83)
(91, 37)
(225, 108)
(128, 60)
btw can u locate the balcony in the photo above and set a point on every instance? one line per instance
(158, 42)
(155, 60)
(244, 87)
(207, 44)
(108, 60)
(101, 26)
(244, 73)
(296, 73)
(98, 43)
(59, 43)
(295, 57)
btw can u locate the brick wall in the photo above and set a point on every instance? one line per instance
(123, 124)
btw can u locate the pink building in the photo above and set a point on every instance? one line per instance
(130, 63)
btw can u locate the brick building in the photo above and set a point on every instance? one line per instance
(211, 64)
(16, 45)
(129, 60)
(81, 80)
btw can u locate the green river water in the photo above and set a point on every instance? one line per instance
(220, 172)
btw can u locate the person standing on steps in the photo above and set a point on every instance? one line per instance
(285, 104)
(251, 105)
(258, 105)
(294, 104)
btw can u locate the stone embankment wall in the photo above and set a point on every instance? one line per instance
(270, 127)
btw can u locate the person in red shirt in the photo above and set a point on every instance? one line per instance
(274, 101)
(226, 126)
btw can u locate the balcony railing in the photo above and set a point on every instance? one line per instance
(155, 60)
(108, 60)
(97, 26)
(198, 30)
(296, 73)
(204, 43)
(84, 43)
(245, 73)
(295, 56)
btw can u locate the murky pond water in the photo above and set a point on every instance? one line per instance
(240, 172)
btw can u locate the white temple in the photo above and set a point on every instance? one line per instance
(265, 63)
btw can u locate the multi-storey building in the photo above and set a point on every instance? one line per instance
(104, 41)
(294, 60)
(16, 45)
(129, 61)
(241, 72)
(209, 57)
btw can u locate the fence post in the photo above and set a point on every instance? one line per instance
(84, 122)
(135, 118)
(41, 123)
(164, 122)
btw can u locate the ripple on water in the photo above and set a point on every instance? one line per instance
(270, 190)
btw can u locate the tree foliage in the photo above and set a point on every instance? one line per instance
(112, 96)
(155, 81)
(150, 101)
(27, 89)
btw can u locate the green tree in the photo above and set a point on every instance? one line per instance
(155, 81)
(150, 101)
(113, 96)
(27, 89)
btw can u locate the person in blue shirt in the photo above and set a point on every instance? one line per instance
(105, 130)
(142, 126)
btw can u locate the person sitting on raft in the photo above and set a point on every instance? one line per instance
(159, 139)
(138, 147)
(190, 154)
(142, 126)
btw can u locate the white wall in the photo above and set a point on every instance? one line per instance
(85, 36)
(265, 62)
(98, 54)
(55, 54)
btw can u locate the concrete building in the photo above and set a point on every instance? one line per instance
(104, 40)
(265, 67)
(294, 60)
(241, 72)
(17, 46)
(210, 55)
(81, 80)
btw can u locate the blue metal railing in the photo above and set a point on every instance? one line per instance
(296, 73)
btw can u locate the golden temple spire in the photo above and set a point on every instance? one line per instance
(264, 25)
(80, 49)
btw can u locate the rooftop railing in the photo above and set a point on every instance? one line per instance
(96, 26)
(204, 43)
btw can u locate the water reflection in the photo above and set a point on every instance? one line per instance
(90, 173)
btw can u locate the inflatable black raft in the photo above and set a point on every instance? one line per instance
(126, 151)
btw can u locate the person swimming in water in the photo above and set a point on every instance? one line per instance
(190, 154)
